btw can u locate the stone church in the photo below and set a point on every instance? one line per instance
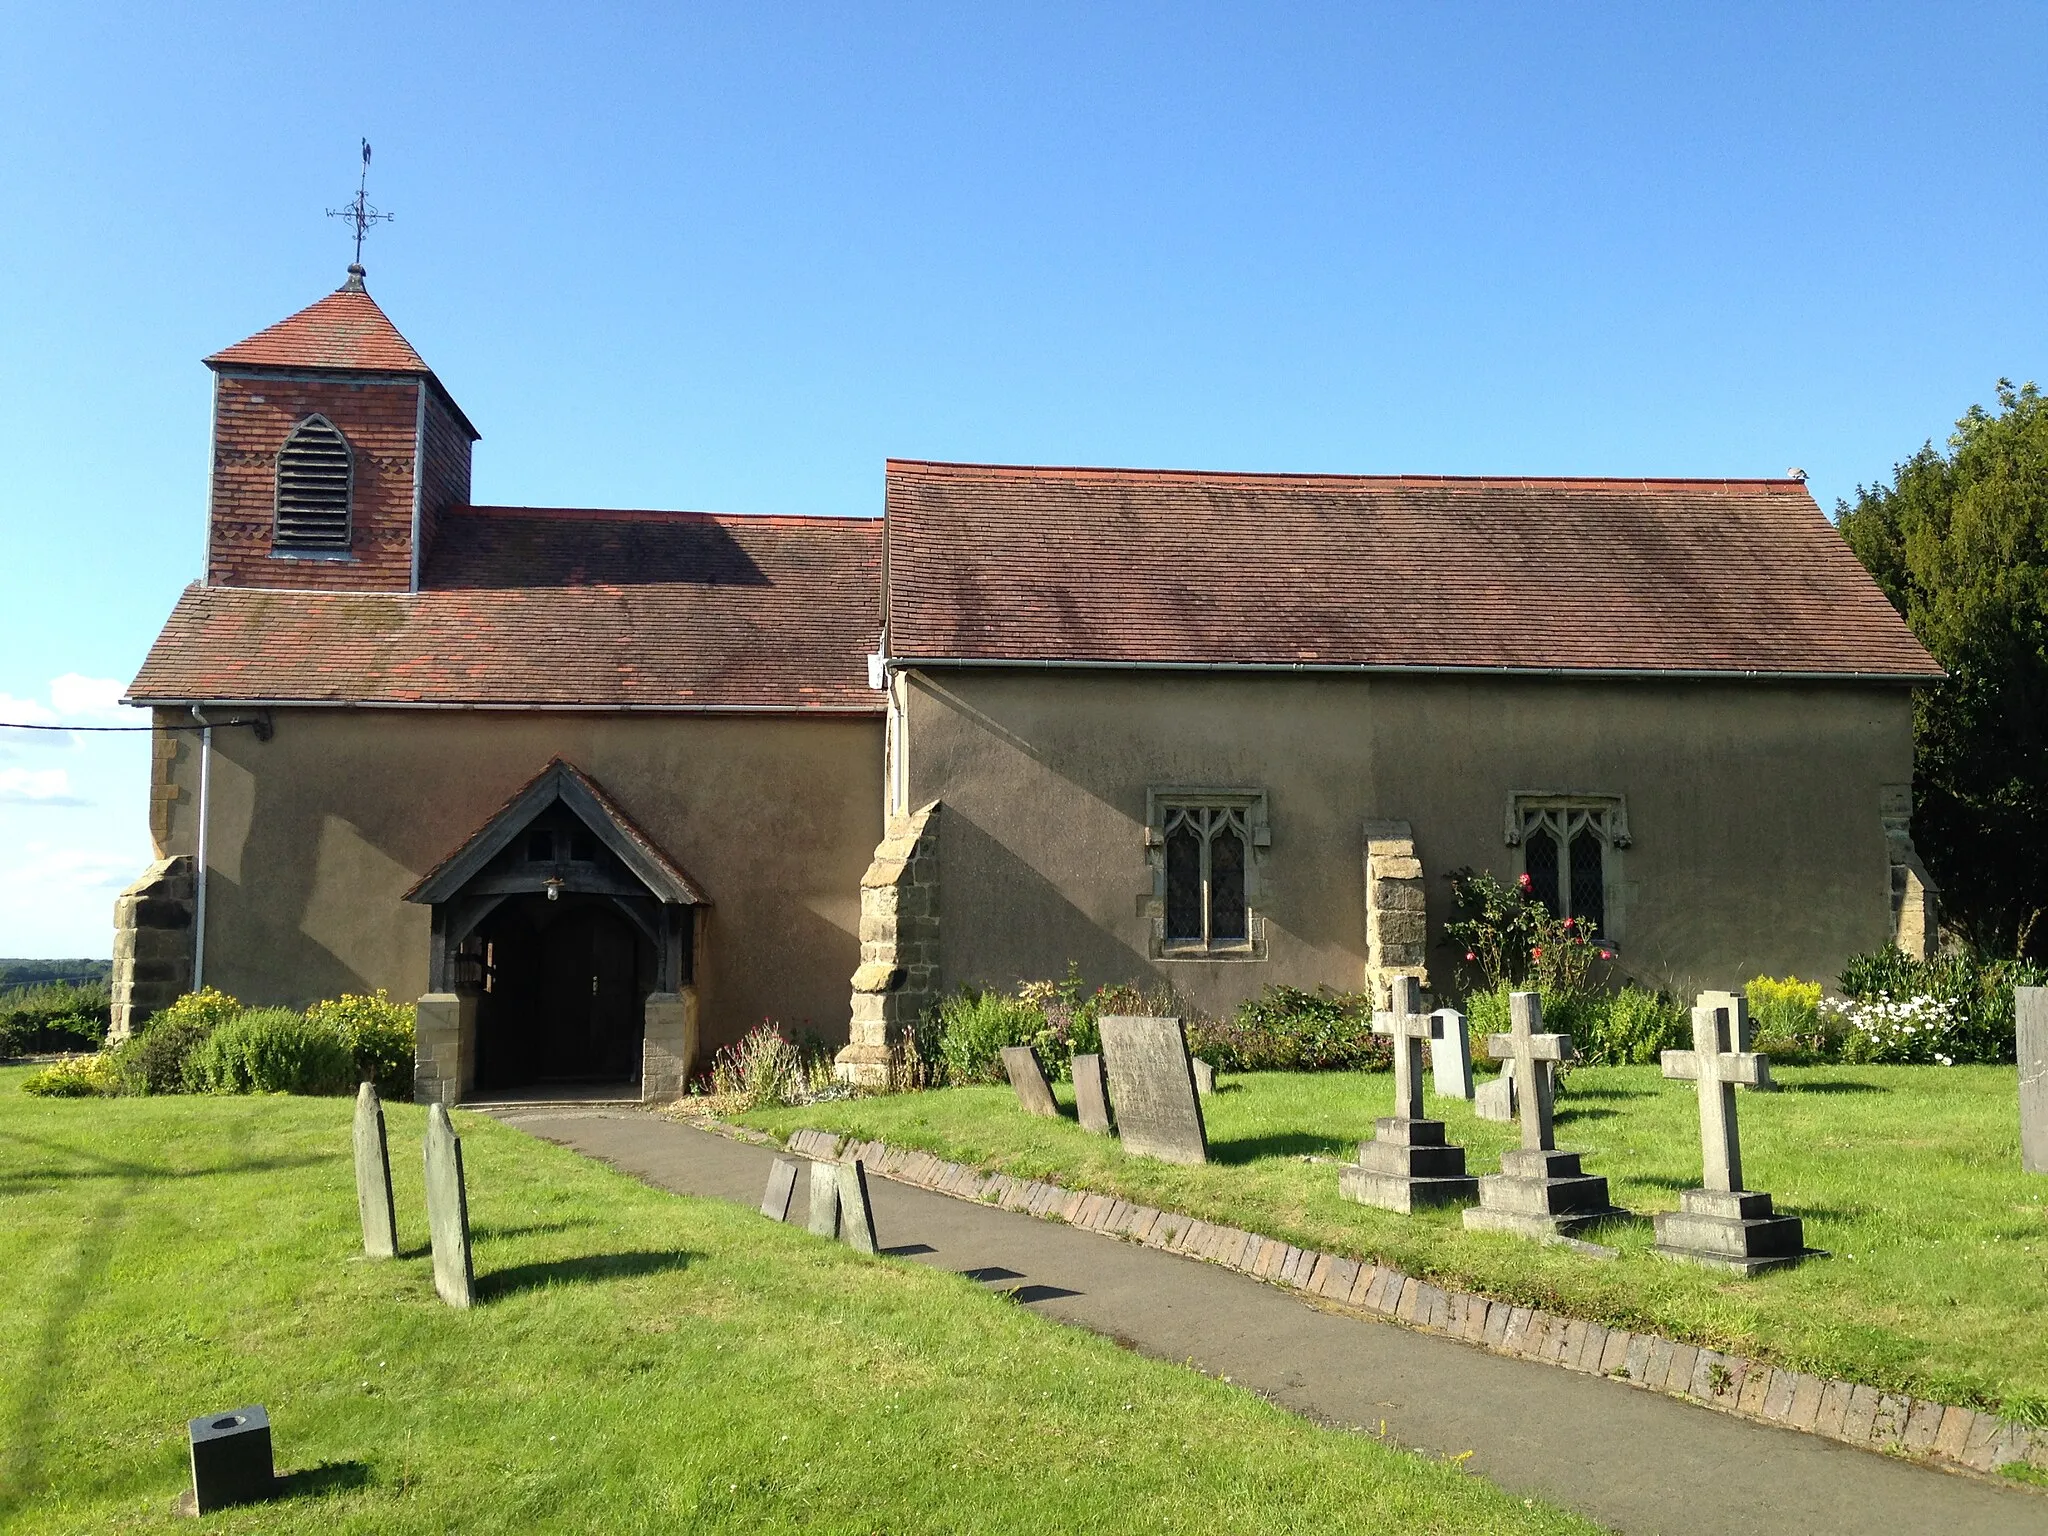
(605, 788)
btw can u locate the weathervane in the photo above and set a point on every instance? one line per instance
(360, 211)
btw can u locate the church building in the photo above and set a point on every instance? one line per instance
(603, 789)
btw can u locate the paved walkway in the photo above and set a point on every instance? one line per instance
(1625, 1457)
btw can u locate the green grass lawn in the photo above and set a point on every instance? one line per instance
(1909, 1176)
(640, 1361)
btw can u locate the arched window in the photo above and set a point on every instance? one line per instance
(1568, 850)
(1206, 848)
(315, 479)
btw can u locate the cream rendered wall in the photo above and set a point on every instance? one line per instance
(316, 834)
(1754, 811)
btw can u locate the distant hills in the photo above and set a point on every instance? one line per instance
(22, 973)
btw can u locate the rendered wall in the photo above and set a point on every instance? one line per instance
(1758, 845)
(317, 833)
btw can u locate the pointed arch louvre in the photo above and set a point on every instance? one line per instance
(315, 488)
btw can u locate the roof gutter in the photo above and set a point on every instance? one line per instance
(1398, 669)
(155, 701)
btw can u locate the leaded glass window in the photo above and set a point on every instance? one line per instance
(1208, 847)
(1568, 845)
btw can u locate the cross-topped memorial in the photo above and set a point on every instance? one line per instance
(1722, 1225)
(1407, 1163)
(1540, 1192)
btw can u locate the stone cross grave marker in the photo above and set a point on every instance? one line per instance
(1450, 1054)
(781, 1189)
(1407, 1163)
(1722, 1225)
(1152, 1085)
(1540, 1192)
(824, 1200)
(1091, 1094)
(448, 1210)
(856, 1215)
(2030, 1039)
(1020, 1062)
(1410, 1029)
(373, 1177)
(1742, 1031)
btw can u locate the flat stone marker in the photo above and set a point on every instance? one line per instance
(373, 1177)
(824, 1200)
(1152, 1085)
(1205, 1078)
(1033, 1093)
(781, 1189)
(1744, 1033)
(1722, 1225)
(448, 1210)
(1407, 1164)
(1540, 1192)
(1091, 1094)
(1450, 1054)
(856, 1216)
(2030, 1037)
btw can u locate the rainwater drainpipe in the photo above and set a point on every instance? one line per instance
(199, 883)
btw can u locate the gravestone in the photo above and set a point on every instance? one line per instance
(1152, 1085)
(448, 1210)
(1540, 1192)
(1020, 1062)
(856, 1215)
(2030, 1039)
(824, 1200)
(1407, 1163)
(1450, 1054)
(231, 1461)
(1205, 1078)
(1091, 1094)
(1723, 1225)
(373, 1177)
(1495, 1098)
(781, 1189)
(1743, 1032)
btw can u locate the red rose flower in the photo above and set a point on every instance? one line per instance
(1567, 922)
(1525, 882)
(1536, 953)
(1471, 955)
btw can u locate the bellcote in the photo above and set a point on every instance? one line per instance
(335, 453)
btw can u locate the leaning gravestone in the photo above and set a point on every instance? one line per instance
(1091, 1094)
(781, 1189)
(1152, 1084)
(824, 1200)
(1205, 1078)
(1407, 1163)
(1722, 1225)
(448, 1210)
(1495, 1100)
(2030, 1038)
(1020, 1062)
(1450, 1054)
(373, 1177)
(1540, 1192)
(856, 1215)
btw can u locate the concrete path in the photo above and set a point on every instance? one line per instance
(1625, 1457)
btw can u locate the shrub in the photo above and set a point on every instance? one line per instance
(764, 1069)
(1509, 937)
(1785, 1018)
(1970, 994)
(75, 1077)
(1285, 1029)
(1629, 1027)
(54, 1016)
(154, 1060)
(379, 1035)
(1922, 1030)
(272, 1050)
(975, 1026)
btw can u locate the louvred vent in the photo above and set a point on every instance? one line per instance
(314, 473)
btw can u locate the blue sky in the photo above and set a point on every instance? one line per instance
(733, 257)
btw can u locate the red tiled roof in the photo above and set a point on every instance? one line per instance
(610, 610)
(991, 563)
(344, 330)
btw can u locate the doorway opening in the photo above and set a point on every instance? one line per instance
(563, 994)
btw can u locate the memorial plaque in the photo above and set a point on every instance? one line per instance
(824, 1200)
(2030, 1037)
(1091, 1094)
(781, 1190)
(448, 1210)
(1033, 1093)
(373, 1177)
(1152, 1085)
(856, 1215)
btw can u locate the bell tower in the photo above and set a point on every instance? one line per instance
(335, 453)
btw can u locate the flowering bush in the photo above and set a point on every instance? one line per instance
(75, 1077)
(1922, 1030)
(1510, 938)
(765, 1069)
(379, 1035)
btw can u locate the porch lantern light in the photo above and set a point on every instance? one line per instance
(554, 884)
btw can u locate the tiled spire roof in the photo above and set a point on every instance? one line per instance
(344, 330)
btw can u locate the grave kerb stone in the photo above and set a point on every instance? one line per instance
(1034, 1094)
(373, 1177)
(448, 1210)
(1152, 1085)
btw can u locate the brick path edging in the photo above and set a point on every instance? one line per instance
(1936, 1433)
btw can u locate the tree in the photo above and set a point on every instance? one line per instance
(1959, 543)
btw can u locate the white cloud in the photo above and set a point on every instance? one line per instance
(76, 694)
(50, 869)
(36, 786)
(15, 711)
